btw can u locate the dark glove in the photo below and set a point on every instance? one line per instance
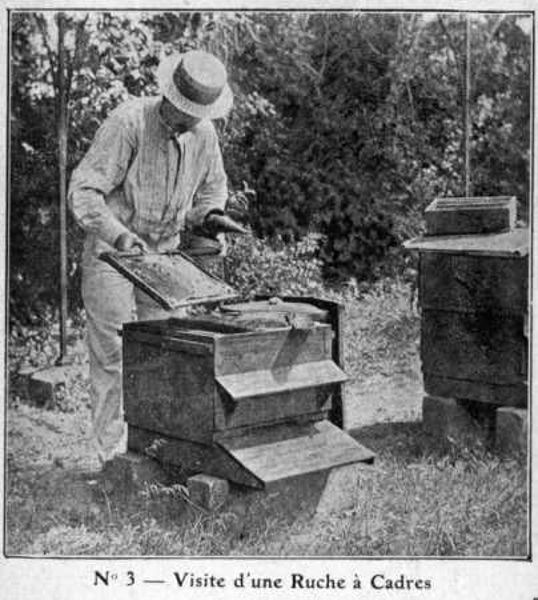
(216, 222)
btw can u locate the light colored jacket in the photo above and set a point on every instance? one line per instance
(138, 176)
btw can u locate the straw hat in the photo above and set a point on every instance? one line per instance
(196, 83)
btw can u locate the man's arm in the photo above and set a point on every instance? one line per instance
(101, 170)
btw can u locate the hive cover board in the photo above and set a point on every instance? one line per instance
(507, 244)
(277, 306)
(172, 279)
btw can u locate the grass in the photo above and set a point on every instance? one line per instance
(421, 498)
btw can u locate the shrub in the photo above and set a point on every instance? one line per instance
(258, 266)
(359, 238)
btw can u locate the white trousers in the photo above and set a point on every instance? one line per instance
(109, 300)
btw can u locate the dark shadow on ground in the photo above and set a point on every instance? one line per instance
(391, 437)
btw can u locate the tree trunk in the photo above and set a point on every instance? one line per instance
(467, 109)
(61, 99)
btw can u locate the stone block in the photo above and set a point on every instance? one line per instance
(130, 471)
(45, 386)
(25, 374)
(207, 491)
(455, 420)
(511, 427)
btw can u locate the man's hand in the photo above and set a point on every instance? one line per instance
(130, 242)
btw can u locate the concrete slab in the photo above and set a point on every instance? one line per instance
(457, 421)
(511, 428)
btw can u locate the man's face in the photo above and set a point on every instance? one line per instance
(176, 119)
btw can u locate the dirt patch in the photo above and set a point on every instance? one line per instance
(40, 438)
(379, 399)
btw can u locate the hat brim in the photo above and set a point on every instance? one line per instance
(165, 78)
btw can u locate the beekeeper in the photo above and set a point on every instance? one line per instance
(154, 167)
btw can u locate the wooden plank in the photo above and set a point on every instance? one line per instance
(301, 404)
(253, 384)
(210, 325)
(500, 395)
(336, 316)
(482, 346)
(509, 244)
(258, 430)
(169, 392)
(165, 328)
(192, 329)
(189, 456)
(268, 434)
(185, 345)
(471, 283)
(278, 306)
(323, 446)
(271, 349)
(320, 303)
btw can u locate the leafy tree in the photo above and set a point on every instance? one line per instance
(109, 57)
(344, 124)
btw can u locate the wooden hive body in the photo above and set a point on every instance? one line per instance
(203, 384)
(221, 396)
(473, 334)
(474, 303)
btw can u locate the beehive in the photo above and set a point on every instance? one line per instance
(473, 292)
(248, 405)
(245, 392)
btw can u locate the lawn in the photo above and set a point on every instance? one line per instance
(423, 496)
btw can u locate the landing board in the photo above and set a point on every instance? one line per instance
(316, 447)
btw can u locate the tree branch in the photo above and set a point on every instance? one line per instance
(457, 55)
(410, 98)
(449, 39)
(492, 34)
(325, 51)
(40, 21)
(75, 61)
(374, 49)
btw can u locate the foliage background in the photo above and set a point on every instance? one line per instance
(345, 127)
